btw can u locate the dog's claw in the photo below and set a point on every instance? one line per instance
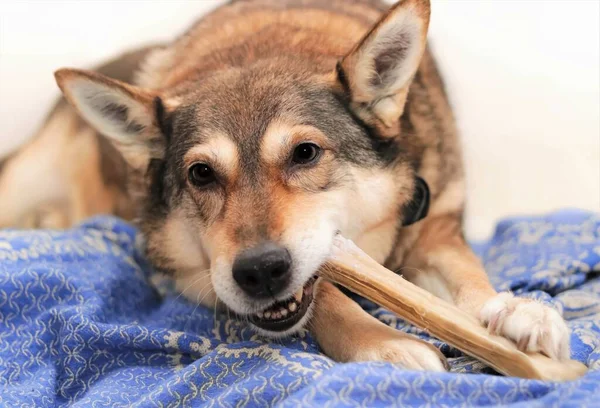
(493, 324)
(533, 326)
(522, 344)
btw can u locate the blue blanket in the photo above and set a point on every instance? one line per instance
(85, 322)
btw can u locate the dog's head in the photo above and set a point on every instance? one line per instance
(250, 172)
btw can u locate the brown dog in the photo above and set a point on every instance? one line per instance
(244, 146)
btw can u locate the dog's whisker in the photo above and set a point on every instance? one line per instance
(198, 303)
(208, 292)
(215, 311)
(191, 314)
(200, 277)
(206, 286)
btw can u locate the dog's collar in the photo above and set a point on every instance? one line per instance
(417, 208)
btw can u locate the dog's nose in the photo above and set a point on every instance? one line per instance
(263, 271)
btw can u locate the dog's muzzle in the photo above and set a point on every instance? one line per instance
(264, 272)
(285, 314)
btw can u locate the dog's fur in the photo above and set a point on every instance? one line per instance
(238, 91)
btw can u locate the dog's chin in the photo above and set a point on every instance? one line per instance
(285, 317)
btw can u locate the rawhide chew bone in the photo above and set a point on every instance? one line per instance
(352, 268)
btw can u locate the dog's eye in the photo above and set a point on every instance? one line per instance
(201, 174)
(306, 153)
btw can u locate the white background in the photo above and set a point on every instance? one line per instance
(523, 76)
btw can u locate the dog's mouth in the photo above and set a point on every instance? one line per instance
(284, 314)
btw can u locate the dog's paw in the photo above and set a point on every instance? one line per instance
(405, 351)
(530, 324)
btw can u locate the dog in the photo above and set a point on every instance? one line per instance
(243, 147)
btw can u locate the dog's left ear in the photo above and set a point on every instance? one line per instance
(378, 71)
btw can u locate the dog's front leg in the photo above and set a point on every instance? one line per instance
(442, 263)
(347, 333)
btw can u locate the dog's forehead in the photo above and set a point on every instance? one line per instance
(246, 106)
(242, 104)
(242, 107)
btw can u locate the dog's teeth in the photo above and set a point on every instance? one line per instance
(267, 315)
(276, 315)
(283, 312)
(299, 294)
(260, 315)
(292, 307)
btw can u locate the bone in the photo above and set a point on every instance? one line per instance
(352, 268)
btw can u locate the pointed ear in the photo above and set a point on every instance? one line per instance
(129, 116)
(378, 71)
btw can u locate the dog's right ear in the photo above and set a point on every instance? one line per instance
(131, 117)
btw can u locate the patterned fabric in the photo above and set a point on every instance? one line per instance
(85, 322)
